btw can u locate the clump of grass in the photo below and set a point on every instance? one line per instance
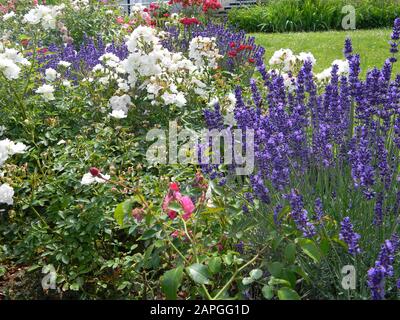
(313, 15)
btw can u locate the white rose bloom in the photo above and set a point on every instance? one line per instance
(118, 114)
(66, 84)
(281, 56)
(307, 56)
(15, 56)
(232, 102)
(9, 15)
(88, 178)
(120, 103)
(9, 69)
(51, 74)
(324, 75)
(46, 91)
(343, 65)
(213, 101)
(180, 99)
(6, 194)
(64, 64)
(9, 148)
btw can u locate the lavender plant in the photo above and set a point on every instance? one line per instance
(335, 145)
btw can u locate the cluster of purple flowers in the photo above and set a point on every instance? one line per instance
(383, 268)
(300, 215)
(349, 236)
(225, 36)
(348, 124)
(318, 209)
(82, 59)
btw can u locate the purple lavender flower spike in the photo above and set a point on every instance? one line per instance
(300, 215)
(350, 237)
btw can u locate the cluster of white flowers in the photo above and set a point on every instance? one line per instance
(79, 4)
(7, 149)
(165, 75)
(9, 15)
(111, 69)
(136, 7)
(47, 92)
(204, 52)
(343, 68)
(45, 15)
(288, 61)
(10, 60)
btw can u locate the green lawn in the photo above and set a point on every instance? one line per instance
(372, 45)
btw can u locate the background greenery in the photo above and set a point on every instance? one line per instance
(313, 15)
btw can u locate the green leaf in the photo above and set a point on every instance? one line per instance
(228, 259)
(122, 210)
(65, 259)
(275, 268)
(256, 274)
(170, 282)
(148, 234)
(175, 206)
(290, 276)
(275, 281)
(325, 246)
(247, 280)
(290, 252)
(199, 273)
(74, 286)
(119, 214)
(309, 248)
(214, 265)
(268, 292)
(287, 294)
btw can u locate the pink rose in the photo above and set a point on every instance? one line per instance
(187, 206)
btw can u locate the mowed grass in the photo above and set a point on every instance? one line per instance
(372, 45)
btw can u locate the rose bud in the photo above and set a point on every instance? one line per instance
(94, 171)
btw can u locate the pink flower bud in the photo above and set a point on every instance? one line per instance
(94, 171)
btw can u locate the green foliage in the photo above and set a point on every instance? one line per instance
(170, 282)
(328, 46)
(313, 15)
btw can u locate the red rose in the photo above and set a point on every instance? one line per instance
(174, 186)
(172, 214)
(232, 53)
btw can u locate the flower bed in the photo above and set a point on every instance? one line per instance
(105, 191)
